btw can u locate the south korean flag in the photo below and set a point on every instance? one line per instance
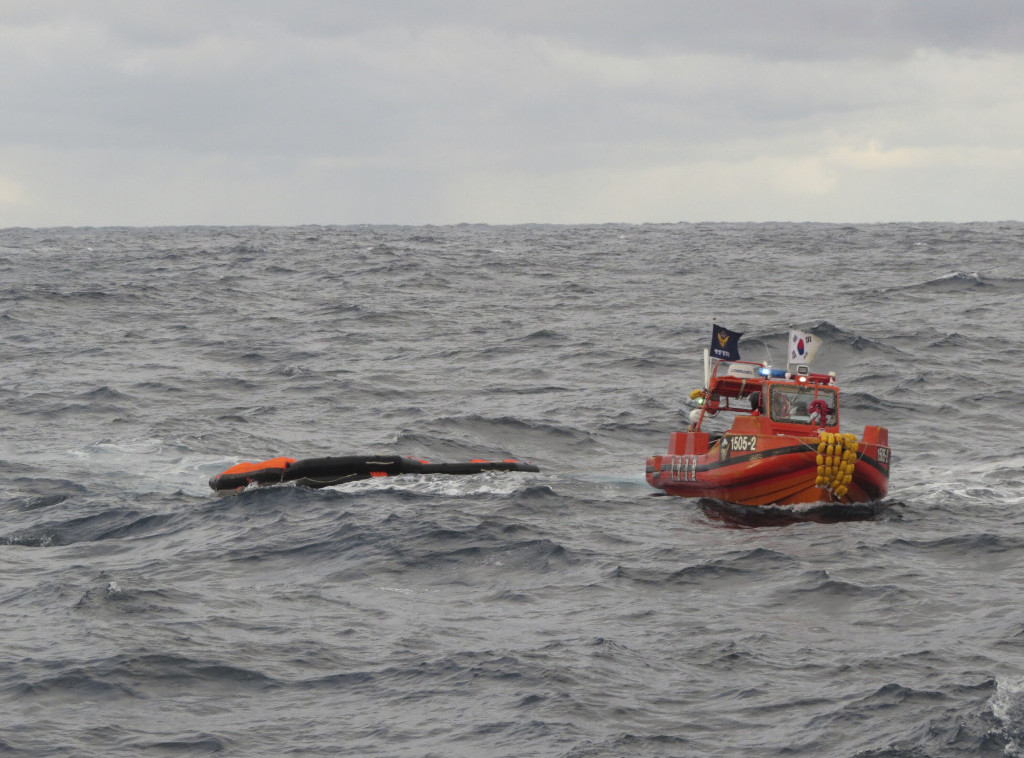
(802, 347)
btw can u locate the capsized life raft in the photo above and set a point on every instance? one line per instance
(331, 470)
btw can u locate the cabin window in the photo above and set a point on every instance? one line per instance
(791, 404)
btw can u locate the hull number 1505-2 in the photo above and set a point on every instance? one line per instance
(740, 443)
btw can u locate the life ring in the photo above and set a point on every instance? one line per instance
(818, 410)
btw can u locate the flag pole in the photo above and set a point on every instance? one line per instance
(789, 347)
(707, 358)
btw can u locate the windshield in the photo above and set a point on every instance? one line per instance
(795, 405)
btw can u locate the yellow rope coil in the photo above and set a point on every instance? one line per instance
(837, 457)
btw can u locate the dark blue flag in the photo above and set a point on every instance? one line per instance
(725, 344)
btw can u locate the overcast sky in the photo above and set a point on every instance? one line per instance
(154, 112)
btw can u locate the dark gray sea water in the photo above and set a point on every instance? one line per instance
(569, 613)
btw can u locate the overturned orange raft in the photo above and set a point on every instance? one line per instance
(326, 472)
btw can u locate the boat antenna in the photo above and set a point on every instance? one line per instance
(768, 352)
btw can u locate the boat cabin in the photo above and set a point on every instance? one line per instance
(771, 401)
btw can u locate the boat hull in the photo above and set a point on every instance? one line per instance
(768, 469)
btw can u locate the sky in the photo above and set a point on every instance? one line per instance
(236, 112)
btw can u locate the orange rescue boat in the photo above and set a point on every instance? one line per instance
(784, 446)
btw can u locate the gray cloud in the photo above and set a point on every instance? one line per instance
(264, 112)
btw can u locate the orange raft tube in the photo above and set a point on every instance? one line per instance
(784, 446)
(326, 472)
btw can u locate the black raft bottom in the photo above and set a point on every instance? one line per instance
(326, 472)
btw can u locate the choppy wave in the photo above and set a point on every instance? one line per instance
(574, 612)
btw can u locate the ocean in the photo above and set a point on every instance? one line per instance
(571, 613)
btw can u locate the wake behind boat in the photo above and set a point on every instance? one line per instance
(784, 446)
(329, 471)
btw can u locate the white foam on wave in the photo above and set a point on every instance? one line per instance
(971, 276)
(934, 484)
(1007, 706)
(624, 478)
(150, 466)
(497, 483)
